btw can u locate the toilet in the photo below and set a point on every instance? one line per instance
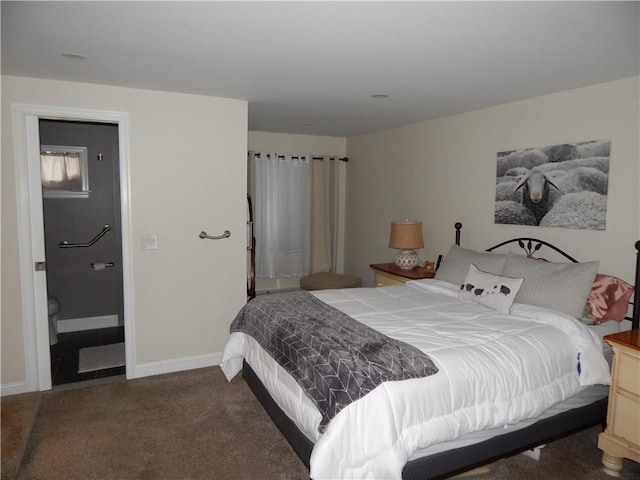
(54, 308)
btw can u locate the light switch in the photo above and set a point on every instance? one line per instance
(149, 242)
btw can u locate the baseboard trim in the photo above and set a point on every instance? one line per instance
(174, 365)
(14, 388)
(142, 370)
(86, 323)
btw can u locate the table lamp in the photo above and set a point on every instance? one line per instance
(406, 236)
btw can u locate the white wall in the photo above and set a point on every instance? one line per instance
(286, 143)
(188, 173)
(303, 144)
(444, 170)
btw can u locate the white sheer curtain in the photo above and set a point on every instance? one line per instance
(61, 170)
(281, 214)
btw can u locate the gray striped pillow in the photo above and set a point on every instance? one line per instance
(560, 286)
(455, 266)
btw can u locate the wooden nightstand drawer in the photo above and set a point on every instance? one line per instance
(383, 281)
(621, 439)
(626, 423)
(628, 375)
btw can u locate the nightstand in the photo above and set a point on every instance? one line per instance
(390, 274)
(621, 439)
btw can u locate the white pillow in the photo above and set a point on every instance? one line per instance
(490, 290)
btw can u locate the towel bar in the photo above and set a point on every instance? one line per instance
(225, 234)
(100, 266)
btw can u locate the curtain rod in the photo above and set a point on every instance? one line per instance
(58, 152)
(295, 157)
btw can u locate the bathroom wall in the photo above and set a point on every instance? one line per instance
(85, 294)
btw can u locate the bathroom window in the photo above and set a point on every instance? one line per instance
(64, 171)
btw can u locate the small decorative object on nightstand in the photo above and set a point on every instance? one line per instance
(390, 274)
(621, 439)
(429, 268)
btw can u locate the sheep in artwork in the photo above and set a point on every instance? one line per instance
(577, 179)
(507, 191)
(528, 159)
(599, 163)
(580, 179)
(596, 148)
(569, 151)
(586, 178)
(516, 172)
(513, 213)
(535, 193)
(578, 210)
(563, 151)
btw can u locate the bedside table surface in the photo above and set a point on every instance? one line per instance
(416, 273)
(630, 339)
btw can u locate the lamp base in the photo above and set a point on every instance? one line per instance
(407, 259)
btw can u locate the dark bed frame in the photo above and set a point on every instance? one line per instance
(452, 462)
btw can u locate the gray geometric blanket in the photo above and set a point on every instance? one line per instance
(334, 358)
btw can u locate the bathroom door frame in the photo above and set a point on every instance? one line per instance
(26, 142)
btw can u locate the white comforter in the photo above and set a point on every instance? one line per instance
(494, 370)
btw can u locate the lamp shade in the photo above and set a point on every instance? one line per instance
(406, 235)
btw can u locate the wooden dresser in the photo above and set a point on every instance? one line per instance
(621, 439)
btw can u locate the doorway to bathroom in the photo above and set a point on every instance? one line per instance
(80, 172)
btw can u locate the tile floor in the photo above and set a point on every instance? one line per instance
(64, 354)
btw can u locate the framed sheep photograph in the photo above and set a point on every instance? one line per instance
(556, 186)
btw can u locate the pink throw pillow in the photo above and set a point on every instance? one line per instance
(609, 298)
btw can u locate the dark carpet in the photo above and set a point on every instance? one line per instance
(195, 425)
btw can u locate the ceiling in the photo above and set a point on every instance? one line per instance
(314, 67)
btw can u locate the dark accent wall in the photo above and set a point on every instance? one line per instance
(81, 290)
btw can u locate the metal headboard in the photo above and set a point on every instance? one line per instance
(532, 245)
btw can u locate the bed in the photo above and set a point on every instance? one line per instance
(489, 376)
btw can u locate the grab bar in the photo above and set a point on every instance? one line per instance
(104, 231)
(225, 234)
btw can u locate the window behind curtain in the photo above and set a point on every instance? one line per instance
(64, 171)
(281, 222)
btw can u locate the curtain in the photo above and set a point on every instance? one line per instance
(281, 214)
(324, 214)
(61, 170)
